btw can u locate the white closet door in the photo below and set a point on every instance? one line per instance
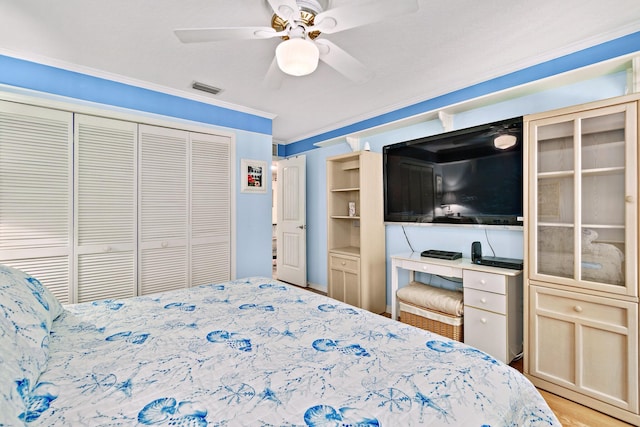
(163, 213)
(36, 194)
(210, 209)
(105, 208)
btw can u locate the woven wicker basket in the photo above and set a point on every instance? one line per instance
(434, 321)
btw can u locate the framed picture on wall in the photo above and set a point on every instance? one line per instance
(254, 176)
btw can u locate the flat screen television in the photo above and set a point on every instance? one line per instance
(468, 176)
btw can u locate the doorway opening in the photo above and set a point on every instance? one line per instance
(274, 218)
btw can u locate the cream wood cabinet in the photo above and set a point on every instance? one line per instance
(581, 248)
(344, 275)
(355, 230)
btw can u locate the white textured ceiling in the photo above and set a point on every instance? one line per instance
(445, 46)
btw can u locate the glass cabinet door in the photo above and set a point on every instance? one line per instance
(602, 215)
(556, 199)
(585, 198)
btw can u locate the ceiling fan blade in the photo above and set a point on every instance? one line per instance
(201, 35)
(274, 77)
(347, 17)
(286, 9)
(342, 62)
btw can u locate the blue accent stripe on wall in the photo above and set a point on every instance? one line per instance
(44, 78)
(602, 52)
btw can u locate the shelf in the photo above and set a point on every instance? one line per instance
(347, 250)
(351, 165)
(555, 174)
(604, 226)
(590, 172)
(338, 190)
(603, 171)
(344, 217)
(571, 225)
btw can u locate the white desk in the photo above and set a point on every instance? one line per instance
(492, 300)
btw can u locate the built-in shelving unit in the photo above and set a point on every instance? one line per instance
(355, 230)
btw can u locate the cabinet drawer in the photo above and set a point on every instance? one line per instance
(486, 331)
(485, 281)
(344, 263)
(485, 300)
(561, 304)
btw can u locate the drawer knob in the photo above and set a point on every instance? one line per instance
(483, 320)
(343, 263)
(106, 249)
(628, 199)
(577, 309)
(483, 282)
(164, 244)
(483, 300)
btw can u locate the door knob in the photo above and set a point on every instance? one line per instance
(301, 227)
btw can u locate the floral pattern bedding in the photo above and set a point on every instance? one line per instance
(258, 352)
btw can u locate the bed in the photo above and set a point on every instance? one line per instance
(250, 352)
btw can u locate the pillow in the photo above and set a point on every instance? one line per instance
(27, 310)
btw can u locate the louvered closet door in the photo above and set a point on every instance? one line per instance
(105, 209)
(163, 201)
(210, 209)
(36, 194)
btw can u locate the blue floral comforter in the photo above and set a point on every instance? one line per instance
(257, 352)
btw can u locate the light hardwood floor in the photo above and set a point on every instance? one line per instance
(573, 414)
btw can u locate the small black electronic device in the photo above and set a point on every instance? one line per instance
(433, 253)
(494, 261)
(476, 252)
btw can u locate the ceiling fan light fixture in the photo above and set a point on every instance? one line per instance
(297, 56)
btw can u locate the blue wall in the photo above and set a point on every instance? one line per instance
(505, 242)
(253, 140)
(621, 46)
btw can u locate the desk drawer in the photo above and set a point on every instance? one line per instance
(486, 331)
(485, 300)
(440, 270)
(485, 281)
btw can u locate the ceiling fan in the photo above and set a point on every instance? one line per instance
(300, 23)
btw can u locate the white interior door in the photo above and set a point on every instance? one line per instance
(163, 194)
(291, 235)
(105, 208)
